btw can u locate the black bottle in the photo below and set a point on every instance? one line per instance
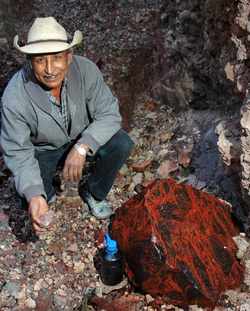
(112, 267)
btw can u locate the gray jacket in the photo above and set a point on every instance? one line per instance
(28, 125)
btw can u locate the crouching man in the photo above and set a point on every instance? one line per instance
(59, 107)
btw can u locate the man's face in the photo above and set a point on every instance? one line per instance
(51, 69)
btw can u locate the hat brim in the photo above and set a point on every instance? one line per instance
(48, 46)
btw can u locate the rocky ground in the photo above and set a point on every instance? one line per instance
(57, 271)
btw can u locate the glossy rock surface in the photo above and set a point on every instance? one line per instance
(178, 242)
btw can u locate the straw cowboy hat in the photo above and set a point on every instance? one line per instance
(46, 35)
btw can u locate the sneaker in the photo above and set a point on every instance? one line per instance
(99, 209)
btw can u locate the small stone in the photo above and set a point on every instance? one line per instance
(242, 244)
(193, 181)
(38, 285)
(138, 17)
(61, 291)
(47, 218)
(138, 179)
(229, 139)
(166, 136)
(149, 298)
(131, 187)
(135, 135)
(141, 166)
(30, 303)
(3, 217)
(61, 266)
(151, 115)
(22, 294)
(60, 301)
(92, 219)
(163, 154)
(167, 167)
(245, 307)
(13, 289)
(184, 153)
(73, 248)
(98, 292)
(43, 301)
(229, 71)
(49, 281)
(79, 266)
(124, 170)
(5, 207)
(148, 176)
(105, 289)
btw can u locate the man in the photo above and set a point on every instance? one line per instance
(57, 107)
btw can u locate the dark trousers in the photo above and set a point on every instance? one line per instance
(103, 167)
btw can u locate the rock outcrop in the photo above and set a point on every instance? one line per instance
(195, 51)
(241, 71)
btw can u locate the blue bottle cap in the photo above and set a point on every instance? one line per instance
(111, 245)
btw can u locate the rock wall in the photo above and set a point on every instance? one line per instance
(197, 55)
(241, 38)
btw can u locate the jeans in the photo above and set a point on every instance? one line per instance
(106, 163)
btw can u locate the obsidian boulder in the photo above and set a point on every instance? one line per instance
(177, 242)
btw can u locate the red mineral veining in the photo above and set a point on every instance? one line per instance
(177, 242)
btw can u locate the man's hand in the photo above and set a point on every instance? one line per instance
(38, 207)
(74, 165)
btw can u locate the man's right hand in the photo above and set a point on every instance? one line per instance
(38, 207)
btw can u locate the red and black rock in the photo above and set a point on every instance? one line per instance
(177, 242)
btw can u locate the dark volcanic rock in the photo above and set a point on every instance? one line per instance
(178, 242)
(194, 48)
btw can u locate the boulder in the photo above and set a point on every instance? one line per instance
(177, 243)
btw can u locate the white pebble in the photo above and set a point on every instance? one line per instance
(30, 303)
